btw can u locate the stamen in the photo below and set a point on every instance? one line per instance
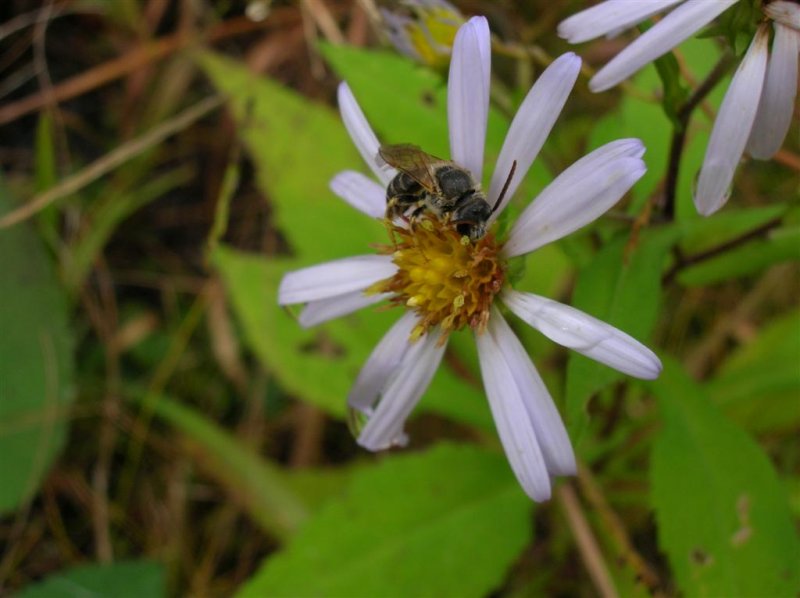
(448, 279)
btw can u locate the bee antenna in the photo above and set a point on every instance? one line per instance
(505, 186)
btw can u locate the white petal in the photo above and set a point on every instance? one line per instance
(382, 363)
(578, 196)
(777, 99)
(589, 336)
(338, 277)
(609, 16)
(786, 13)
(732, 128)
(361, 192)
(361, 133)
(511, 418)
(547, 423)
(670, 31)
(468, 95)
(532, 124)
(384, 428)
(323, 310)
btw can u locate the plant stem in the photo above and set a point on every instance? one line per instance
(684, 261)
(587, 544)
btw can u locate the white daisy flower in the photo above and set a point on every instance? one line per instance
(445, 282)
(758, 106)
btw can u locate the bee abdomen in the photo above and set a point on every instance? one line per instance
(402, 184)
(402, 193)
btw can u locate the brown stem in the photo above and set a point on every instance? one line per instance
(616, 529)
(587, 544)
(118, 67)
(683, 262)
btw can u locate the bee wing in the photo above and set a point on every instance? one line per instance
(411, 160)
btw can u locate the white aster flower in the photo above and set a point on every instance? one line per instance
(445, 282)
(758, 106)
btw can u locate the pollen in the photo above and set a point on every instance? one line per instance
(449, 280)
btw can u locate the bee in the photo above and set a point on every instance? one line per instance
(425, 182)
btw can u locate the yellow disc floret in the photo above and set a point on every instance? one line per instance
(447, 279)
(433, 32)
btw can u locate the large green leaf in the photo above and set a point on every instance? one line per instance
(123, 579)
(723, 517)
(35, 363)
(621, 286)
(403, 101)
(297, 146)
(759, 384)
(299, 358)
(448, 522)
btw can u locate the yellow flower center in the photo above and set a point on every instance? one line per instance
(447, 279)
(433, 34)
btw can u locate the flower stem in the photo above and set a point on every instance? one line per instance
(587, 544)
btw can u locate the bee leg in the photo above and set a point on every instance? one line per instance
(398, 205)
(419, 210)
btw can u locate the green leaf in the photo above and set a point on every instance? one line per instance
(723, 516)
(46, 176)
(779, 245)
(738, 25)
(759, 384)
(36, 366)
(446, 522)
(258, 484)
(317, 486)
(675, 93)
(230, 183)
(46, 173)
(123, 579)
(297, 147)
(707, 233)
(300, 358)
(395, 93)
(622, 287)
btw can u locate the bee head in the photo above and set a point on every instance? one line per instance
(473, 230)
(471, 217)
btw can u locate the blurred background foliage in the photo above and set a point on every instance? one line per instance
(166, 429)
